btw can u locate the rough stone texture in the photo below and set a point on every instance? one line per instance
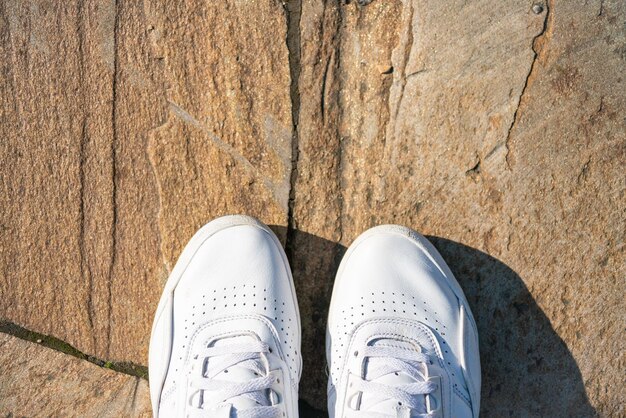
(499, 133)
(496, 128)
(126, 126)
(40, 382)
(225, 146)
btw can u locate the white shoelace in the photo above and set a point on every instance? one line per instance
(209, 393)
(385, 360)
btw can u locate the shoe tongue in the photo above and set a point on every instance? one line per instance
(373, 402)
(237, 373)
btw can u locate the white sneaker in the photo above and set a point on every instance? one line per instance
(401, 340)
(226, 336)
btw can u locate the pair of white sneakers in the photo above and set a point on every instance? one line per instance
(401, 340)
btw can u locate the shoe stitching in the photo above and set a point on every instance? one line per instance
(463, 397)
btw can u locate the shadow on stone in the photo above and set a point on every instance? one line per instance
(527, 370)
(314, 263)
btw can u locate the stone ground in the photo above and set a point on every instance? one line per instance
(498, 129)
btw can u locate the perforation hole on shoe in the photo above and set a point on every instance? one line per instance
(398, 303)
(235, 300)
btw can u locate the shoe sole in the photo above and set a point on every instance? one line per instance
(204, 233)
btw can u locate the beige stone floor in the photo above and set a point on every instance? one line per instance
(496, 128)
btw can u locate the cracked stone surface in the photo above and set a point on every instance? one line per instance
(41, 382)
(499, 133)
(497, 129)
(125, 132)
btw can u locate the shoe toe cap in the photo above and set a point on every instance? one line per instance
(391, 271)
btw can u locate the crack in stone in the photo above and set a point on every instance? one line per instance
(133, 403)
(601, 11)
(584, 172)
(475, 170)
(340, 142)
(525, 86)
(85, 269)
(323, 90)
(294, 13)
(128, 368)
(56, 344)
(114, 141)
(414, 73)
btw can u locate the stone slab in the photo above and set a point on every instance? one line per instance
(41, 382)
(497, 129)
(126, 126)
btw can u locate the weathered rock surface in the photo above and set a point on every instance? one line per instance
(40, 382)
(496, 128)
(126, 126)
(499, 131)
